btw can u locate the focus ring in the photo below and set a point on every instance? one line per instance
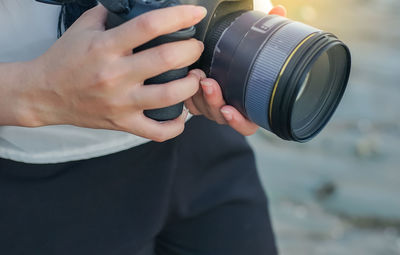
(267, 67)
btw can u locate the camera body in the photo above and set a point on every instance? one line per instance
(120, 12)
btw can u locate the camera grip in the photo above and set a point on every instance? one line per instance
(170, 112)
(115, 19)
(174, 111)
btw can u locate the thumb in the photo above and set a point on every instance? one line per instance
(279, 10)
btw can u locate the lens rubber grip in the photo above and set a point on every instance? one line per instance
(174, 111)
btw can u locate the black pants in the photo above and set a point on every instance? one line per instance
(196, 194)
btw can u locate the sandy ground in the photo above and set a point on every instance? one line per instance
(340, 193)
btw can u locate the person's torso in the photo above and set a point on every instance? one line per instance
(27, 30)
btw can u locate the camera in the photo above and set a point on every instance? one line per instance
(284, 75)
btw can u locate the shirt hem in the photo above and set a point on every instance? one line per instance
(78, 154)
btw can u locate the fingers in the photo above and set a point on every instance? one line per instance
(162, 131)
(279, 10)
(158, 96)
(191, 107)
(153, 24)
(209, 102)
(237, 121)
(157, 60)
(189, 104)
(213, 99)
(155, 130)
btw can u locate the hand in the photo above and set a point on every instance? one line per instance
(209, 102)
(90, 78)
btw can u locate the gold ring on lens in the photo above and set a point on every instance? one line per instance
(281, 73)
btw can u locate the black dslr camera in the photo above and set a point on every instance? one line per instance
(283, 75)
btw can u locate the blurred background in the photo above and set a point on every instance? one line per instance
(340, 193)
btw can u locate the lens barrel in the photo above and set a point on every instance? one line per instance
(285, 76)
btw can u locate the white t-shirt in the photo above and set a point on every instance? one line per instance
(27, 30)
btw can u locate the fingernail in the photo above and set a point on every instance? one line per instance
(200, 11)
(205, 83)
(207, 86)
(227, 114)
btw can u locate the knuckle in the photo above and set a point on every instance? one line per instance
(185, 17)
(193, 84)
(148, 24)
(194, 89)
(167, 56)
(168, 95)
(98, 44)
(106, 77)
(103, 79)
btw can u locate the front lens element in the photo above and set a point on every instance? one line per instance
(320, 93)
(303, 86)
(312, 93)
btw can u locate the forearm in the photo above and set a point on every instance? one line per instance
(16, 79)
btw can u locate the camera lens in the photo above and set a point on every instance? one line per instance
(285, 76)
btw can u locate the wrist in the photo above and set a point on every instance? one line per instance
(24, 94)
